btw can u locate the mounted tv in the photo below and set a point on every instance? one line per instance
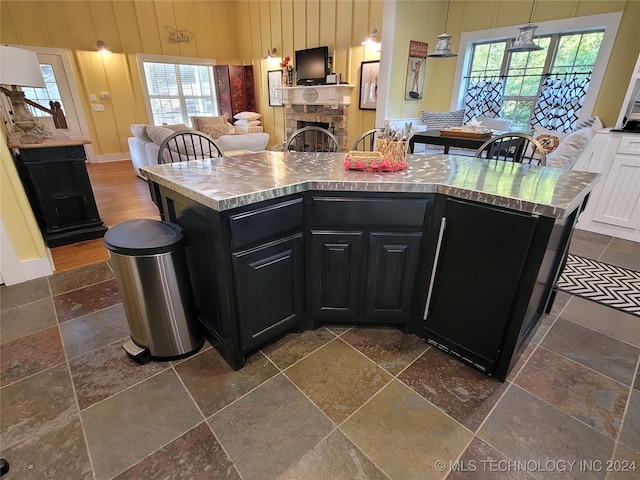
(312, 66)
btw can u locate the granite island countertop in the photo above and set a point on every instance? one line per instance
(230, 182)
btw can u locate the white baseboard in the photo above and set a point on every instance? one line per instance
(112, 157)
(13, 270)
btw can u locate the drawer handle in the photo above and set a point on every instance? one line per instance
(443, 225)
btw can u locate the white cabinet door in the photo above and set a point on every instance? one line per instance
(619, 203)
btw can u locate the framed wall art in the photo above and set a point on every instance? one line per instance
(369, 85)
(274, 81)
(416, 69)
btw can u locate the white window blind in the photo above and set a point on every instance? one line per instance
(178, 89)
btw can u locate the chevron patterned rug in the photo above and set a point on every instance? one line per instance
(612, 286)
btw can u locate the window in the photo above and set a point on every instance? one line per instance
(553, 88)
(177, 88)
(43, 96)
(544, 87)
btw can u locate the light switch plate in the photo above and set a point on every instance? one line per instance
(93, 97)
(96, 107)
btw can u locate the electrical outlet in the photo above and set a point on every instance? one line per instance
(96, 107)
(105, 95)
(93, 97)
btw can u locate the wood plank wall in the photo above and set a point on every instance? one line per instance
(241, 31)
(231, 32)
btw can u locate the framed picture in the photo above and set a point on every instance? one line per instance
(274, 81)
(416, 69)
(369, 85)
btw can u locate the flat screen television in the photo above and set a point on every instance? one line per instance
(312, 66)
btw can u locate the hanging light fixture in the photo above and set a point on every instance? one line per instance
(271, 53)
(372, 34)
(524, 41)
(443, 49)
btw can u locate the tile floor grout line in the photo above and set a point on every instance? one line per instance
(626, 407)
(339, 427)
(305, 355)
(249, 391)
(80, 420)
(585, 366)
(600, 332)
(380, 366)
(566, 413)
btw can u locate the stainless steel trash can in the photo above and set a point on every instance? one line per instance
(150, 267)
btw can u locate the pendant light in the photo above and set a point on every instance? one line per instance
(442, 47)
(524, 41)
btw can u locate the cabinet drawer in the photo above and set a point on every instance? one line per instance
(630, 145)
(268, 222)
(53, 154)
(355, 212)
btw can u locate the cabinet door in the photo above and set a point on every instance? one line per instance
(336, 264)
(619, 204)
(476, 277)
(393, 262)
(269, 290)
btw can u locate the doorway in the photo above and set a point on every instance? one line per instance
(62, 87)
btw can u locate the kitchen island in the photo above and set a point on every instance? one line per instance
(463, 252)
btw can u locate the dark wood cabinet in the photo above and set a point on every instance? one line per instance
(246, 267)
(59, 190)
(235, 89)
(335, 270)
(269, 281)
(485, 273)
(391, 275)
(364, 258)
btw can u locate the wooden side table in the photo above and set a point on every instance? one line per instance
(57, 184)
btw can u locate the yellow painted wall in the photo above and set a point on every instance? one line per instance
(423, 21)
(16, 214)
(127, 27)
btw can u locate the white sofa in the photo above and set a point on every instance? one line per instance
(146, 140)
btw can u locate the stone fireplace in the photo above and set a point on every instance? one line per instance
(326, 106)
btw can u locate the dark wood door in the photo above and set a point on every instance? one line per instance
(269, 282)
(481, 259)
(336, 272)
(393, 264)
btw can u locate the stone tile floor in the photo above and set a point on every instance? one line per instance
(334, 403)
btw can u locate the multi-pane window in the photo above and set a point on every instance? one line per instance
(177, 91)
(43, 96)
(544, 87)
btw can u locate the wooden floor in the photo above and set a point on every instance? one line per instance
(120, 195)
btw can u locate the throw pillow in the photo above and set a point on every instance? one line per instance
(247, 116)
(158, 134)
(247, 123)
(177, 127)
(139, 130)
(591, 122)
(214, 131)
(440, 120)
(548, 138)
(569, 150)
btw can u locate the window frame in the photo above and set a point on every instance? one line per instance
(608, 21)
(144, 57)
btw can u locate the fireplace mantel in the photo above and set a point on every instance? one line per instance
(334, 95)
